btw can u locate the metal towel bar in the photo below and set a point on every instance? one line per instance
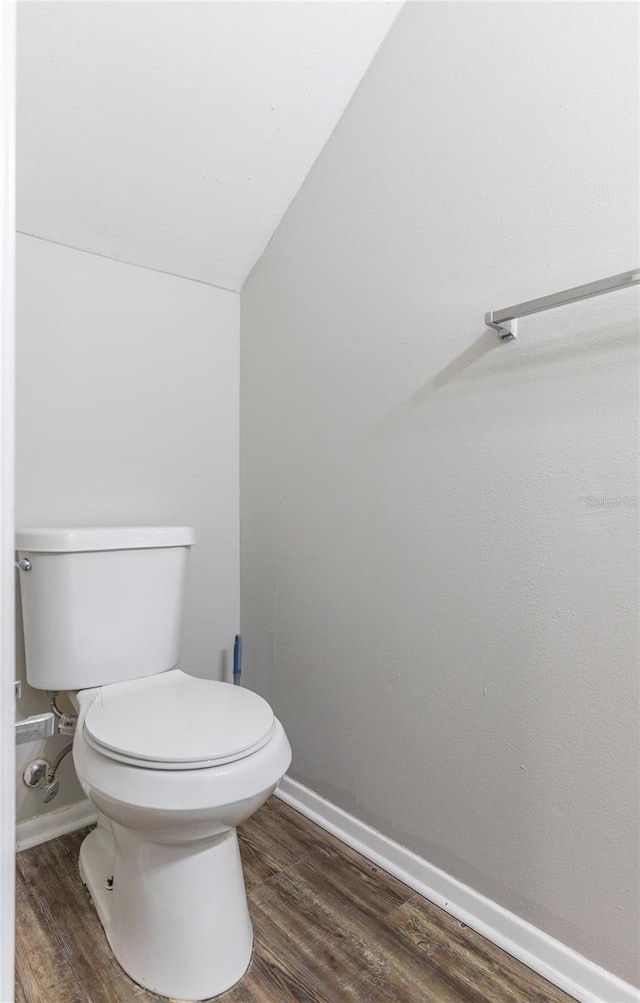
(505, 321)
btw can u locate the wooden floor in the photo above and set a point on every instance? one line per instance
(330, 927)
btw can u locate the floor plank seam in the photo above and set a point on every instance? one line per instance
(330, 927)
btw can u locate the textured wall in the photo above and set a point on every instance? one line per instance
(439, 581)
(127, 413)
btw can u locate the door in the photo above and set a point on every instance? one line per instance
(7, 585)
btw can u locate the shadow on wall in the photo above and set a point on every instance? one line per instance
(530, 357)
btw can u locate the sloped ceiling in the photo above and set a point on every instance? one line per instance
(174, 135)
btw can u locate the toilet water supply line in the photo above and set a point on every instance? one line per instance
(237, 660)
(65, 725)
(50, 783)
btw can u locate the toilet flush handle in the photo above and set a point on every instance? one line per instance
(24, 564)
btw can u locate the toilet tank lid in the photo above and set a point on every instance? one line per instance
(70, 540)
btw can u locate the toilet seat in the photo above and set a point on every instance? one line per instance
(173, 721)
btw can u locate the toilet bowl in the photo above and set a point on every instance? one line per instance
(172, 763)
(163, 866)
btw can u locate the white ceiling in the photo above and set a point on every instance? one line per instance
(174, 135)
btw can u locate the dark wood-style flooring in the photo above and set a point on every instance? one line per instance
(330, 927)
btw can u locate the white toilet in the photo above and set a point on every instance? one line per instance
(172, 763)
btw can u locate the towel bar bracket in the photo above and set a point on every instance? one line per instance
(507, 329)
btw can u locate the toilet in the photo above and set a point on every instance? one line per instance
(172, 763)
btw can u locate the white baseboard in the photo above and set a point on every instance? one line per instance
(556, 962)
(55, 823)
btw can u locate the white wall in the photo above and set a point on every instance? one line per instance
(127, 413)
(441, 613)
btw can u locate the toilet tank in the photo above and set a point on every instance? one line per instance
(101, 605)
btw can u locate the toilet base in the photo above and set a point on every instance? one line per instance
(175, 915)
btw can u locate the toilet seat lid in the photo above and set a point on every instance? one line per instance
(175, 721)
